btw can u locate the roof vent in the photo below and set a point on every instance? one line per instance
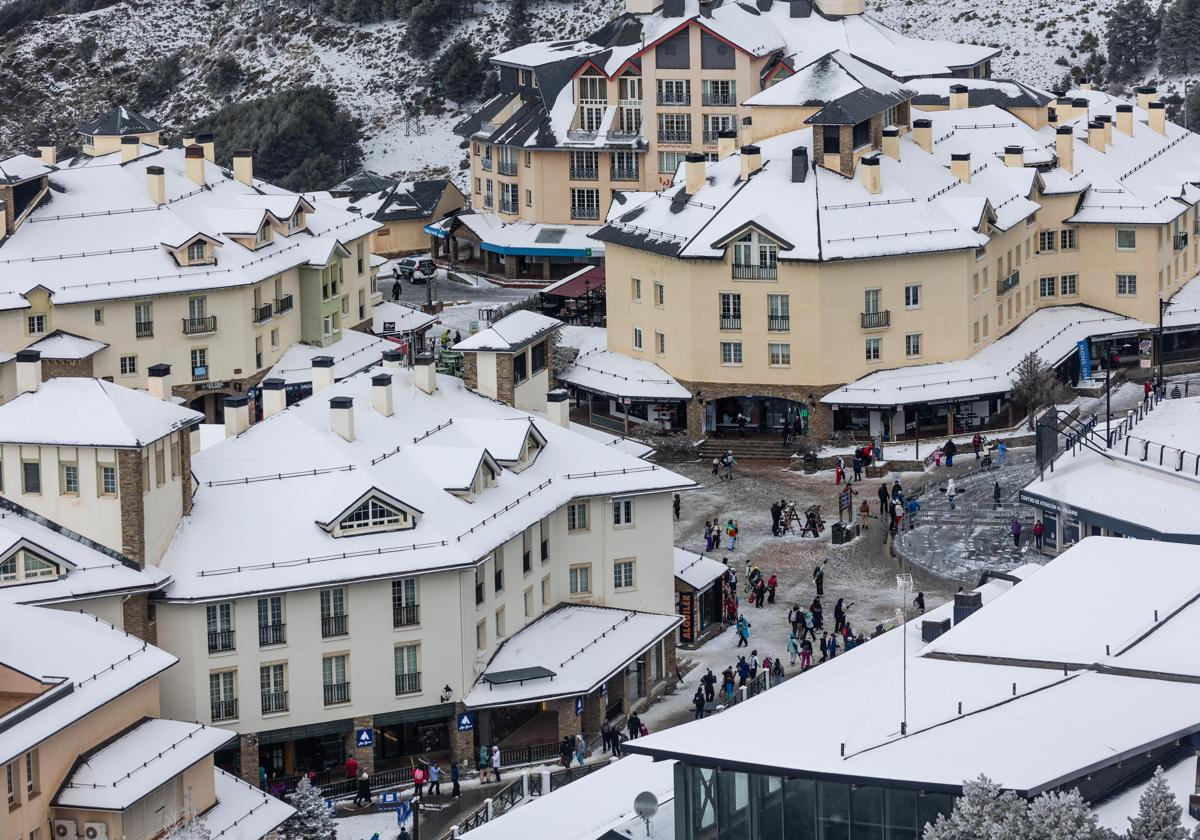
(930, 630)
(679, 200)
(965, 604)
(672, 8)
(800, 8)
(799, 164)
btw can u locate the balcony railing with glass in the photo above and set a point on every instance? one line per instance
(485, 164)
(200, 326)
(1008, 284)
(754, 272)
(507, 167)
(876, 320)
(507, 206)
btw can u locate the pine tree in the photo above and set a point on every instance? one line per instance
(312, 820)
(983, 812)
(1159, 815)
(1131, 39)
(1178, 46)
(1032, 385)
(518, 23)
(1062, 816)
(1191, 107)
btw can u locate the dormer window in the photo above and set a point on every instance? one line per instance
(374, 515)
(26, 565)
(264, 234)
(196, 253)
(485, 478)
(754, 257)
(296, 221)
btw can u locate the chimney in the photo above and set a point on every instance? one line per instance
(205, 141)
(751, 161)
(960, 166)
(243, 166)
(1064, 147)
(1014, 156)
(1146, 95)
(891, 142)
(693, 172)
(130, 146)
(1066, 108)
(194, 160)
(1096, 135)
(868, 173)
(1158, 117)
(558, 407)
(29, 370)
(672, 8)
(189, 140)
(726, 143)
(322, 373)
(381, 393)
(425, 373)
(156, 184)
(237, 415)
(47, 154)
(1125, 119)
(393, 358)
(958, 97)
(923, 134)
(341, 417)
(274, 396)
(1106, 122)
(966, 604)
(1079, 108)
(158, 381)
(706, 8)
(799, 164)
(746, 134)
(1085, 83)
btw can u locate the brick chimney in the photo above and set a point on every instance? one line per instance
(381, 393)
(1146, 95)
(206, 142)
(693, 172)
(237, 415)
(29, 370)
(194, 163)
(1096, 135)
(341, 417)
(274, 396)
(959, 98)
(726, 143)
(130, 146)
(558, 407)
(923, 134)
(243, 166)
(751, 161)
(868, 173)
(158, 381)
(1158, 117)
(425, 373)
(1064, 147)
(1014, 156)
(1125, 119)
(47, 154)
(891, 142)
(322, 373)
(156, 184)
(960, 166)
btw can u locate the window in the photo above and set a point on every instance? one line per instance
(272, 686)
(220, 627)
(985, 327)
(1126, 239)
(585, 204)
(334, 678)
(333, 612)
(755, 257)
(35, 324)
(778, 313)
(912, 345)
(481, 635)
(546, 591)
(128, 365)
(731, 352)
(719, 91)
(1067, 238)
(577, 516)
(528, 198)
(660, 297)
(31, 775)
(509, 197)
(1047, 240)
(408, 669)
(498, 571)
(1047, 286)
(373, 514)
(674, 128)
(872, 349)
(275, 337)
(1127, 285)
(635, 288)
(222, 695)
(912, 296)
(10, 772)
(70, 478)
(143, 320)
(98, 315)
(529, 602)
(674, 91)
(1068, 284)
(270, 621)
(623, 574)
(581, 579)
(25, 565)
(660, 344)
(668, 162)
(195, 252)
(780, 355)
(108, 480)
(31, 477)
(160, 463)
(975, 332)
(500, 629)
(622, 510)
(871, 301)
(731, 310)
(637, 338)
(199, 356)
(585, 165)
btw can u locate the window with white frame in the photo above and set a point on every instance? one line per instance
(660, 295)
(128, 365)
(69, 478)
(196, 252)
(872, 349)
(335, 678)
(373, 514)
(1067, 238)
(585, 204)
(26, 565)
(622, 512)
(577, 516)
(408, 669)
(754, 249)
(1126, 285)
(222, 694)
(1126, 239)
(780, 355)
(637, 338)
(1069, 284)
(912, 296)
(272, 687)
(731, 352)
(668, 162)
(1047, 286)
(1047, 240)
(912, 345)
(660, 343)
(580, 577)
(35, 324)
(623, 577)
(635, 288)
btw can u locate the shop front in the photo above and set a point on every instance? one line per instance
(753, 415)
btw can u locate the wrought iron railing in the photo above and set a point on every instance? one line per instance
(272, 634)
(220, 640)
(274, 701)
(283, 304)
(143, 329)
(262, 313)
(754, 272)
(674, 98)
(584, 173)
(406, 615)
(731, 323)
(224, 709)
(876, 320)
(199, 326)
(408, 683)
(507, 167)
(624, 173)
(585, 212)
(779, 323)
(334, 625)
(720, 98)
(337, 693)
(665, 136)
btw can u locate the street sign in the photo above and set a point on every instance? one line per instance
(578, 706)
(364, 738)
(604, 690)
(1085, 360)
(466, 721)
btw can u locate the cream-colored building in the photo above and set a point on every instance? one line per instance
(402, 208)
(163, 256)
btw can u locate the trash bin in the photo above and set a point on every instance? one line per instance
(837, 533)
(810, 462)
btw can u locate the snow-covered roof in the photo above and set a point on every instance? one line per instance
(618, 375)
(242, 812)
(353, 352)
(22, 167)
(102, 237)
(697, 570)
(77, 411)
(1052, 333)
(312, 474)
(390, 318)
(532, 238)
(574, 648)
(1183, 312)
(1028, 728)
(87, 570)
(1005, 93)
(119, 121)
(363, 181)
(832, 78)
(511, 333)
(1115, 813)
(61, 344)
(144, 757)
(83, 662)
(584, 339)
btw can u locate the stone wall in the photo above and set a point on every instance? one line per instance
(185, 470)
(136, 618)
(54, 368)
(133, 516)
(471, 371)
(820, 417)
(365, 756)
(248, 745)
(462, 744)
(504, 378)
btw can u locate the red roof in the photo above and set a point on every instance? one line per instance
(577, 284)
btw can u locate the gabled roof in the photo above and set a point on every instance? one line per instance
(1003, 93)
(22, 167)
(410, 200)
(118, 122)
(369, 493)
(828, 79)
(363, 181)
(61, 344)
(511, 333)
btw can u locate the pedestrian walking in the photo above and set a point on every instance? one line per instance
(728, 463)
(776, 513)
(708, 532)
(564, 751)
(787, 434)
(455, 791)
(1015, 528)
(797, 427)
(824, 645)
(1037, 534)
(817, 615)
(716, 466)
(776, 672)
(793, 647)
(805, 655)
(743, 632)
(949, 450)
(913, 507)
(951, 492)
(864, 513)
(635, 725)
(819, 578)
(839, 616)
(580, 748)
(839, 472)
(495, 762)
(262, 777)
(1002, 453)
(897, 514)
(435, 779)
(808, 629)
(731, 534)
(698, 702)
(995, 495)
(803, 419)
(418, 777)
(351, 768)
(833, 645)
(857, 464)
(363, 794)
(709, 681)
(919, 602)
(741, 424)
(675, 506)
(395, 290)
(760, 592)
(794, 619)
(484, 761)
(605, 736)
(977, 444)
(883, 500)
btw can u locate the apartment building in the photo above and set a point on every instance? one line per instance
(577, 122)
(864, 249)
(159, 255)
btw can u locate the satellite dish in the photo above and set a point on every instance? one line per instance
(645, 805)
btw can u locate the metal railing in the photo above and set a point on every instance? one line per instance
(408, 683)
(272, 634)
(488, 202)
(710, 137)
(143, 329)
(507, 206)
(1181, 241)
(507, 167)
(263, 313)
(571, 774)
(283, 304)
(220, 640)
(731, 323)
(337, 693)
(199, 326)
(717, 98)
(586, 212)
(584, 173)
(582, 134)
(779, 323)
(1008, 284)
(406, 616)
(673, 98)
(224, 709)
(485, 164)
(529, 753)
(508, 797)
(333, 625)
(624, 173)
(754, 272)
(274, 701)
(876, 320)
(665, 136)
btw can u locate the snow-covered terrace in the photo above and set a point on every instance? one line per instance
(390, 318)
(623, 377)
(353, 352)
(697, 570)
(526, 238)
(242, 810)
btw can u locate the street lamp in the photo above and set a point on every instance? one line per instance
(1163, 305)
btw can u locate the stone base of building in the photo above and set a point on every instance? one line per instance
(820, 417)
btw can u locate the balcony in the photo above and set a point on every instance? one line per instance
(220, 641)
(876, 320)
(485, 164)
(674, 98)
(710, 137)
(408, 683)
(337, 693)
(720, 98)
(624, 173)
(334, 625)
(224, 709)
(1181, 241)
(200, 326)
(754, 272)
(586, 212)
(143, 329)
(779, 323)
(731, 323)
(406, 616)
(272, 634)
(545, 550)
(507, 206)
(479, 593)
(274, 702)
(507, 167)
(584, 173)
(283, 304)
(262, 314)
(1008, 284)
(582, 135)
(487, 202)
(682, 137)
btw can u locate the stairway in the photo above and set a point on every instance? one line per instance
(744, 448)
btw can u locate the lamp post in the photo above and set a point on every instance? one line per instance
(1108, 393)
(587, 298)
(1163, 305)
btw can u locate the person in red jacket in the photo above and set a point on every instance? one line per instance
(351, 768)
(772, 582)
(1037, 534)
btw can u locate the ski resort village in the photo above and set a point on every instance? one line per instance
(781, 426)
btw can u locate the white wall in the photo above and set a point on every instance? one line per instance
(530, 395)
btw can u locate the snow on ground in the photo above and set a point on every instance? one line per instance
(364, 826)
(462, 302)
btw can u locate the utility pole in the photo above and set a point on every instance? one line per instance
(1162, 308)
(1108, 393)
